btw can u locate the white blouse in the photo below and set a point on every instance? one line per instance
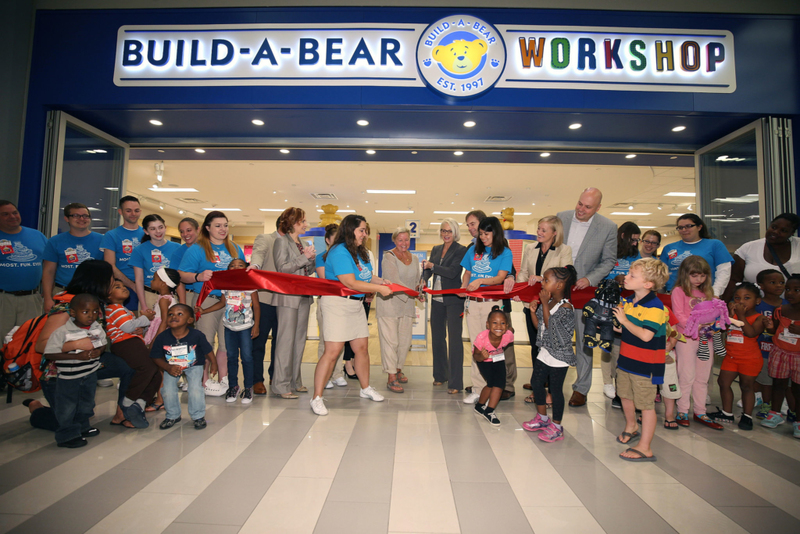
(753, 255)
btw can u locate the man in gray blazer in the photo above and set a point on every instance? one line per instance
(593, 239)
(261, 258)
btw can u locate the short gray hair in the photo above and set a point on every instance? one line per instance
(453, 226)
(400, 230)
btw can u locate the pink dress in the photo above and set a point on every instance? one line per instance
(150, 335)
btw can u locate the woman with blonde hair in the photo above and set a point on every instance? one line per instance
(548, 251)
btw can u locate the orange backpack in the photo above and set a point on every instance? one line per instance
(21, 362)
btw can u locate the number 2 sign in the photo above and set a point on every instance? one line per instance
(413, 225)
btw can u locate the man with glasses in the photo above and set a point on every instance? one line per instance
(21, 251)
(65, 251)
(118, 245)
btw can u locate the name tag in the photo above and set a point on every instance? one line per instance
(234, 299)
(179, 355)
(735, 335)
(788, 337)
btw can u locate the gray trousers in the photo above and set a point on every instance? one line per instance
(584, 356)
(448, 358)
(289, 346)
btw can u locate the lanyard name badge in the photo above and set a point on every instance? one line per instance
(788, 337)
(735, 335)
(179, 355)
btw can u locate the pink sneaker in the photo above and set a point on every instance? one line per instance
(551, 433)
(535, 424)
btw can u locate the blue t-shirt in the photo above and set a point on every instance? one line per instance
(194, 261)
(123, 242)
(765, 339)
(712, 250)
(177, 256)
(319, 261)
(21, 259)
(623, 266)
(68, 251)
(339, 262)
(151, 258)
(485, 266)
(188, 351)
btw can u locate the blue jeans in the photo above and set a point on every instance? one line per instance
(115, 367)
(239, 344)
(197, 394)
(74, 406)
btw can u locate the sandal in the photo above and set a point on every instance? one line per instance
(288, 396)
(640, 456)
(682, 419)
(670, 425)
(395, 386)
(529, 399)
(632, 436)
(438, 383)
(453, 391)
(403, 379)
(154, 407)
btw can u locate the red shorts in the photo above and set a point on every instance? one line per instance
(784, 364)
(745, 366)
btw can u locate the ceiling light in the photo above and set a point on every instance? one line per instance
(284, 151)
(515, 213)
(413, 151)
(337, 211)
(674, 214)
(257, 122)
(222, 209)
(392, 191)
(533, 204)
(180, 212)
(90, 151)
(271, 209)
(629, 213)
(630, 156)
(172, 189)
(544, 155)
(370, 152)
(679, 194)
(659, 207)
(100, 151)
(161, 206)
(647, 227)
(155, 122)
(458, 153)
(362, 122)
(199, 150)
(469, 124)
(111, 188)
(575, 126)
(394, 211)
(450, 212)
(630, 207)
(674, 157)
(679, 128)
(689, 207)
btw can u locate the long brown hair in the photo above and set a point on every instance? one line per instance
(695, 265)
(346, 235)
(204, 240)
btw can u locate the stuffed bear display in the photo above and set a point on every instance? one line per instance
(598, 314)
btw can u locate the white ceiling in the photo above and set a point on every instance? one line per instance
(250, 185)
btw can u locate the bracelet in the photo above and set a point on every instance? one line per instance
(195, 277)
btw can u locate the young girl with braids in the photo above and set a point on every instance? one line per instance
(554, 320)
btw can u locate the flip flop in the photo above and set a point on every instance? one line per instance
(529, 399)
(641, 457)
(122, 424)
(631, 436)
(395, 386)
(671, 425)
(154, 407)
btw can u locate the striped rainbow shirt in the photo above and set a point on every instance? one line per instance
(645, 358)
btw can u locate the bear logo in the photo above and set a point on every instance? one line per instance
(461, 56)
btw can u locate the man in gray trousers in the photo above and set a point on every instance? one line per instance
(593, 239)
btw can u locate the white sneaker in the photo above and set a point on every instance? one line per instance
(318, 407)
(185, 386)
(472, 398)
(341, 382)
(105, 383)
(609, 391)
(224, 382)
(370, 393)
(739, 404)
(708, 399)
(215, 389)
(329, 385)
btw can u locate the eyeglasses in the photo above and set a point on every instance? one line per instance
(634, 241)
(652, 243)
(446, 232)
(79, 216)
(685, 227)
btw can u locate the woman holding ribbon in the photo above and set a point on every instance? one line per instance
(343, 317)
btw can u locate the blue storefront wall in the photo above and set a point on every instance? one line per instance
(73, 59)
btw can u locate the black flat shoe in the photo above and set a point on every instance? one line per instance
(348, 375)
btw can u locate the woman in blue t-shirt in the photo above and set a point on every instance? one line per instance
(213, 251)
(155, 251)
(343, 317)
(487, 263)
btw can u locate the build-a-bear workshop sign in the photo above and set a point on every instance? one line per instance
(458, 57)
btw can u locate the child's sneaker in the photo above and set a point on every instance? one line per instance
(200, 424)
(492, 418)
(535, 424)
(215, 389)
(772, 420)
(168, 423)
(247, 395)
(746, 423)
(480, 407)
(706, 420)
(720, 417)
(763, 410)
(551, 433)
(796, 430)
(791, 416)
(232, 394)
(658, 397)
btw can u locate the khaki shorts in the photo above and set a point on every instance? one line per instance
(671, 389)
(640, 389)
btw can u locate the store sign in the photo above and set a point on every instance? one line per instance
(458, 57)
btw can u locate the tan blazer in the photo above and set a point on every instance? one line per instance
(557, 257)
(288, 259)
(262, 259)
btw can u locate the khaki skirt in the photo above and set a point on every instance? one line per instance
(343, 319)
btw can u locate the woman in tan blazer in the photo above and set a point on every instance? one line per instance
(549, 251)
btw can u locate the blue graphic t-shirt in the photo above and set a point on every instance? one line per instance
(484, 265)
(123, 242)
(194, 261)
(765, 339)
(712, 250)
(21, 259)
(185, 352)
(339, 262)
(68, 251)
(623, 266)
(177, 255)
(151, 258)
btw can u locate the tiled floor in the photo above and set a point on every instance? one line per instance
(419, 462)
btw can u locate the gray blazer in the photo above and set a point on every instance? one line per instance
(448, 269)
(597, 254)
(288, 259)
(261, 258)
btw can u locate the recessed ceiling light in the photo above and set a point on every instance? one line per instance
(626, 213)
(458, 153)
(533, 204)
(258, 122)
(222, 209)
(413, 151)
(469, 124)
(155, 122)
(647, 227)
(100, 151)
(180, 212)
(544, 155)
(575, 126)
(271, 209)
(630, 207)
(450, 212)
(630, 156)
(173, 189)
(392, 191)
(394, 211)
(370, 152)
(338, 211)
(161, 151)
(111, 188)
(515, 213)
(284, 151)
(674, 157)
(362, 122)
(674, 214)
(161, 206)
(199, 150)
(679, 194)
(679, 128)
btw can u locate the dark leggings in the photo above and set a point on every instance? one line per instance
(542, 374)
(146, 379)
(348, 352)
